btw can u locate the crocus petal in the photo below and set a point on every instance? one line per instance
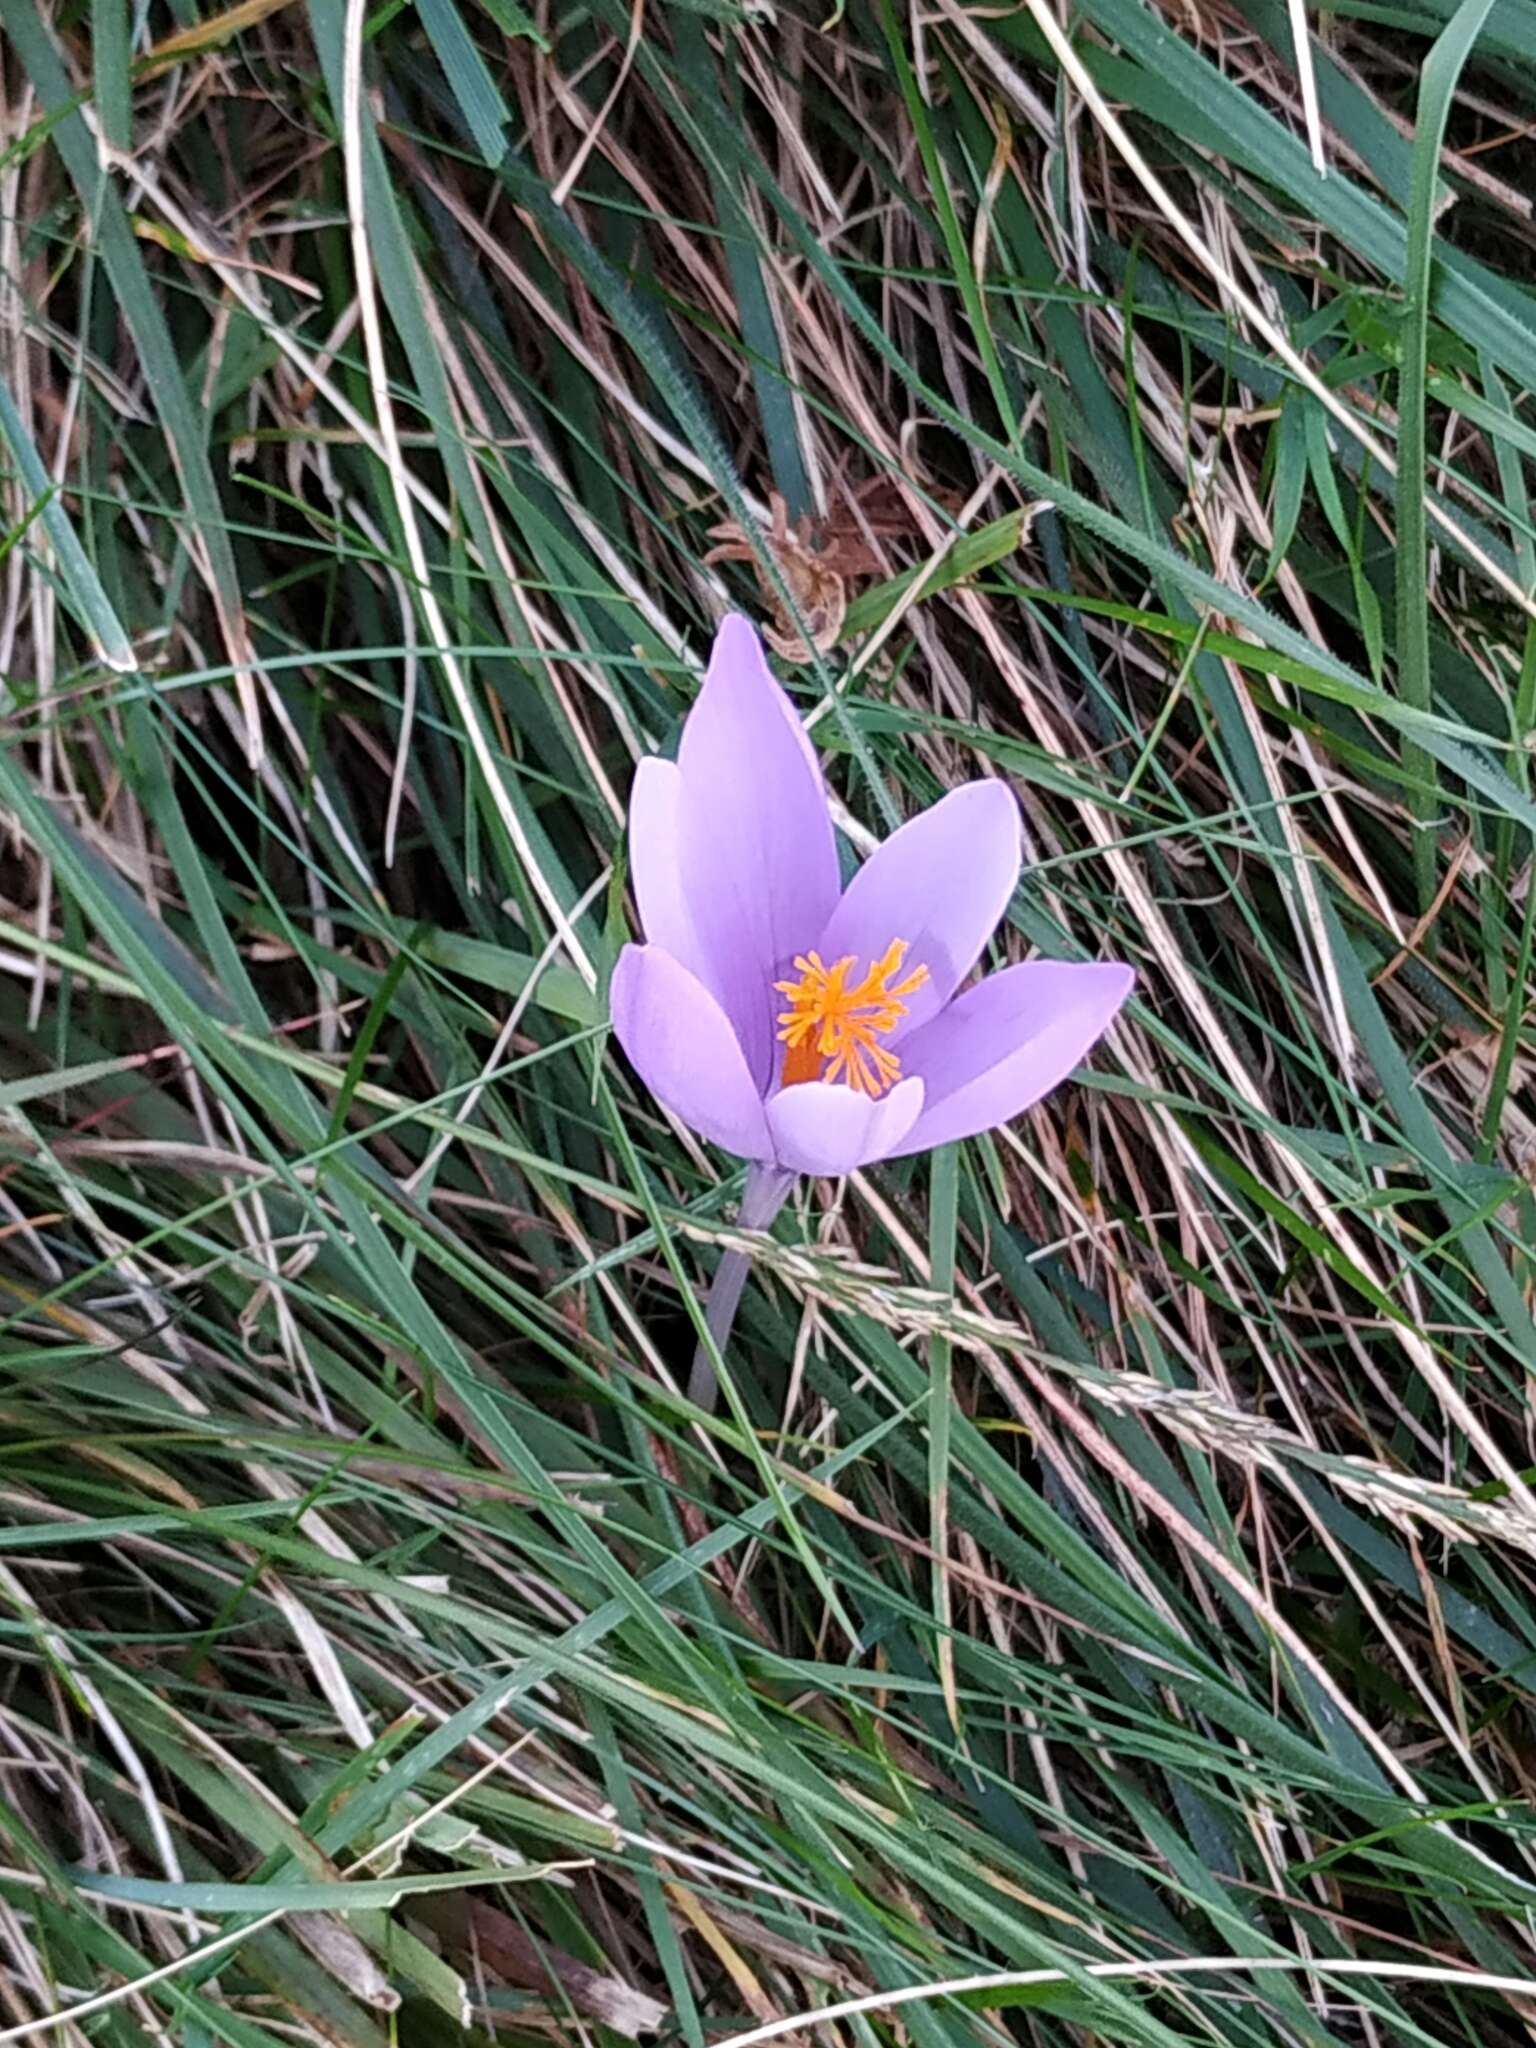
(942, 883)
(655, 860)
(993, 1053)
(681, 1044)
(757, 861)
(822, 1127)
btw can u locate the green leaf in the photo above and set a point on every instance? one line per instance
(1437, 87)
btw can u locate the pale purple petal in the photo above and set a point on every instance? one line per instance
(1005, 1043)
(656, 864)
(942, 883)
(757, 862)
(681, 1044)
(824, 1128)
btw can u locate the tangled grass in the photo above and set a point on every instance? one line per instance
(1108, 1585)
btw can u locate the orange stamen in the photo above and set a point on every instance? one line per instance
(832, 1032)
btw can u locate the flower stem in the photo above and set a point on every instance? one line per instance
(761, 1200)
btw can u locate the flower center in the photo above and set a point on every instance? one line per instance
(832, 1032)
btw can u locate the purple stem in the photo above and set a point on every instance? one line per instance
(761, 1200)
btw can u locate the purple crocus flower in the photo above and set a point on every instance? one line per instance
(811, 1027)
(807, 1027)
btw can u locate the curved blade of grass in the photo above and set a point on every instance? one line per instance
(1437, 87)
